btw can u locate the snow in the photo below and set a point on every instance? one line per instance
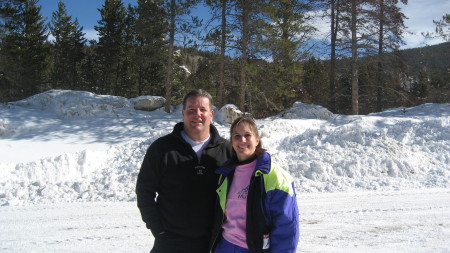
(372, 183)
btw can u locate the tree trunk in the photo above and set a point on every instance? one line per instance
(332, 77)
(380, 84)
(169, 76)
(245, 41)
(354, 60)
(220, 91)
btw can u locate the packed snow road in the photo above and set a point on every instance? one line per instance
(394, 221)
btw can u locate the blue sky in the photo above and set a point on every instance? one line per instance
(86, 11)
(420, 15)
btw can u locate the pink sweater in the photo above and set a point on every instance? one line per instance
(236, 207)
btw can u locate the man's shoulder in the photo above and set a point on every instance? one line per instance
(170, 136)
(217, 138)
(220, 142)
(164, 141)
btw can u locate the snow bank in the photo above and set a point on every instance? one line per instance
(70, 104)
(306, 111)
(400, 148)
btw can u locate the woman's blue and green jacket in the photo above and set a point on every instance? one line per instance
(271, 208)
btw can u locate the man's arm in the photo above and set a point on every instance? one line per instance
(146, 190)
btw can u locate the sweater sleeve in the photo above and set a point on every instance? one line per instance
(146, 191)
(284, 215)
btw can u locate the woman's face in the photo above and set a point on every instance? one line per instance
(244, 141)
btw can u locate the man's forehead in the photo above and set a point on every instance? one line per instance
(197, 102)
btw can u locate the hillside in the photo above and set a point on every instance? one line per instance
(432, 57)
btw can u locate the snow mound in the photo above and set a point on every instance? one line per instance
(76, 146)
(425, 110)
(77, 104)
(306, 111)
(227, 114)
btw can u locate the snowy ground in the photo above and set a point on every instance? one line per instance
(375, 183)
(400, 221)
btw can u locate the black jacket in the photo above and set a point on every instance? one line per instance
(183, 186)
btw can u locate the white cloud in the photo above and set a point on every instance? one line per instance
(91, 34)
(421, 14)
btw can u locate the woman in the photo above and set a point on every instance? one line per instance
(256, 209)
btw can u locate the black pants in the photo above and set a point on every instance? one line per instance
(171, 243)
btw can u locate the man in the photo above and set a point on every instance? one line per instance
(176, 184)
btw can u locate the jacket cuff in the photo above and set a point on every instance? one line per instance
(156, 230)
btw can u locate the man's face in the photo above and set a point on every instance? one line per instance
(197, 117)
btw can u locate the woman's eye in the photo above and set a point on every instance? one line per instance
(246, 136)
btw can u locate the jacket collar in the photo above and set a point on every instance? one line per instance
(215, 137)
(263, 163)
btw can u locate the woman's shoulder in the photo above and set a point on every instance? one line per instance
(279, 173)
(278, 179)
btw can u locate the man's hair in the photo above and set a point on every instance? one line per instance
(198, 93)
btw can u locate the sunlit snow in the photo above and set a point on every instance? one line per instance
(68, 155)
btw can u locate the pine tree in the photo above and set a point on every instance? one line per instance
(420, 85)
(24, 50)
(175, 10)
(89, 68)
(391, 26)
(218, 36)
(246, 25)
(315, 81)
(442, 29)
(67, 49)
(8, 24)
(354, 60)
(111, 47)
(150, 29)
(334, 7)
(128, 62)
(334, 10)
(285, 34)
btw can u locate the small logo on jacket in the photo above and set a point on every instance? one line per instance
(200, 170)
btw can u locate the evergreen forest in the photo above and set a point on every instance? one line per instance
(260, 55)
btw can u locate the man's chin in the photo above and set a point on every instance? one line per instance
(196, 128)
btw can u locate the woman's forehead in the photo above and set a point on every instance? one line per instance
(243, 126)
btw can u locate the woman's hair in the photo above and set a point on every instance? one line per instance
(252, 125)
